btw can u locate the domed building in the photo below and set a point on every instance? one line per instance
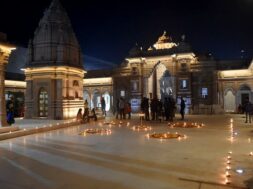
(54, 71)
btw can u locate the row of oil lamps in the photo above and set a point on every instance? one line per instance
(50, 125)
(229, 157)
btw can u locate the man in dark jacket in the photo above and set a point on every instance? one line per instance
(248, 110)
(182, 108)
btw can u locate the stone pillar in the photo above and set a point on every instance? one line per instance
(5, 51)
(3, 121)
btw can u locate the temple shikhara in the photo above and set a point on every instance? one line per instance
(55, 85)
(54, 71)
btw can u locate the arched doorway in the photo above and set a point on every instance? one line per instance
(86, 96)
(96, 99)
(160, 83)
(43, 103)
(229, 101)
(165, 85)
(243, 95)
(107, 98)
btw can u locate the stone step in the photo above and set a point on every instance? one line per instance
(8, 129)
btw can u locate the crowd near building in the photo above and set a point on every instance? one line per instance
(47, 79)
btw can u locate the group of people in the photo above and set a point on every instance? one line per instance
(161, 110)
(123, 108)
(86, 116)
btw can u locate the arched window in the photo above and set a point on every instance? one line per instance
(76, 94)
(75, 83)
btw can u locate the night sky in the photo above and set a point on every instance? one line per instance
(107, 30)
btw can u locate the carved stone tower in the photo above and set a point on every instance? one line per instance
(54, 71)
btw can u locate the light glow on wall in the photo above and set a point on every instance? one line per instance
(7, 48)
(59, 72)
(11, 83)
(236, 73)
(98, 81)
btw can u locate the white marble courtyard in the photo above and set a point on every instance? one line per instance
(128, 159)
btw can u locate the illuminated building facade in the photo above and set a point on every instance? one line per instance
(208, 85)
(56, 85)
(167, 68)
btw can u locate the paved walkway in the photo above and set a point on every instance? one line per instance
(127, 159)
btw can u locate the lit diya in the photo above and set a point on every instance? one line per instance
(141, 128)
(96, 131)
(166, 136)
(186, 125)
(109, 123)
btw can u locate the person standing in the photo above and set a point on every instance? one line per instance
(86, 105)
(166, 109)
(121, 107)
(182, 108)
(171, 109)
(146, 109)
(10, 111)
(128, 109)
(103, 105)
(248, 110)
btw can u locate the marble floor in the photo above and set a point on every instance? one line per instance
(127, 159)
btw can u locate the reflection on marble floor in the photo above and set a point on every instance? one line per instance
(124, 159)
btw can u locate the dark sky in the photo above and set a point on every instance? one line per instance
(107, 29)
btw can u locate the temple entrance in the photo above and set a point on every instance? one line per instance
(229, 101)
(43, 103)
(243, 95)
(95, 103)
(160, 83)
(165, 85)
(107, 98)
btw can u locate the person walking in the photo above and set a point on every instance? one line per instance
(121, 107)
(182, 108)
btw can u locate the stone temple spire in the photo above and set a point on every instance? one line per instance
(55, 13)
(54, 70)
(54, 42)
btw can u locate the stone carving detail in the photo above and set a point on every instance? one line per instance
(54, 40)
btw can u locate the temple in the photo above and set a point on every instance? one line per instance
(54, 83)
(54, 70)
